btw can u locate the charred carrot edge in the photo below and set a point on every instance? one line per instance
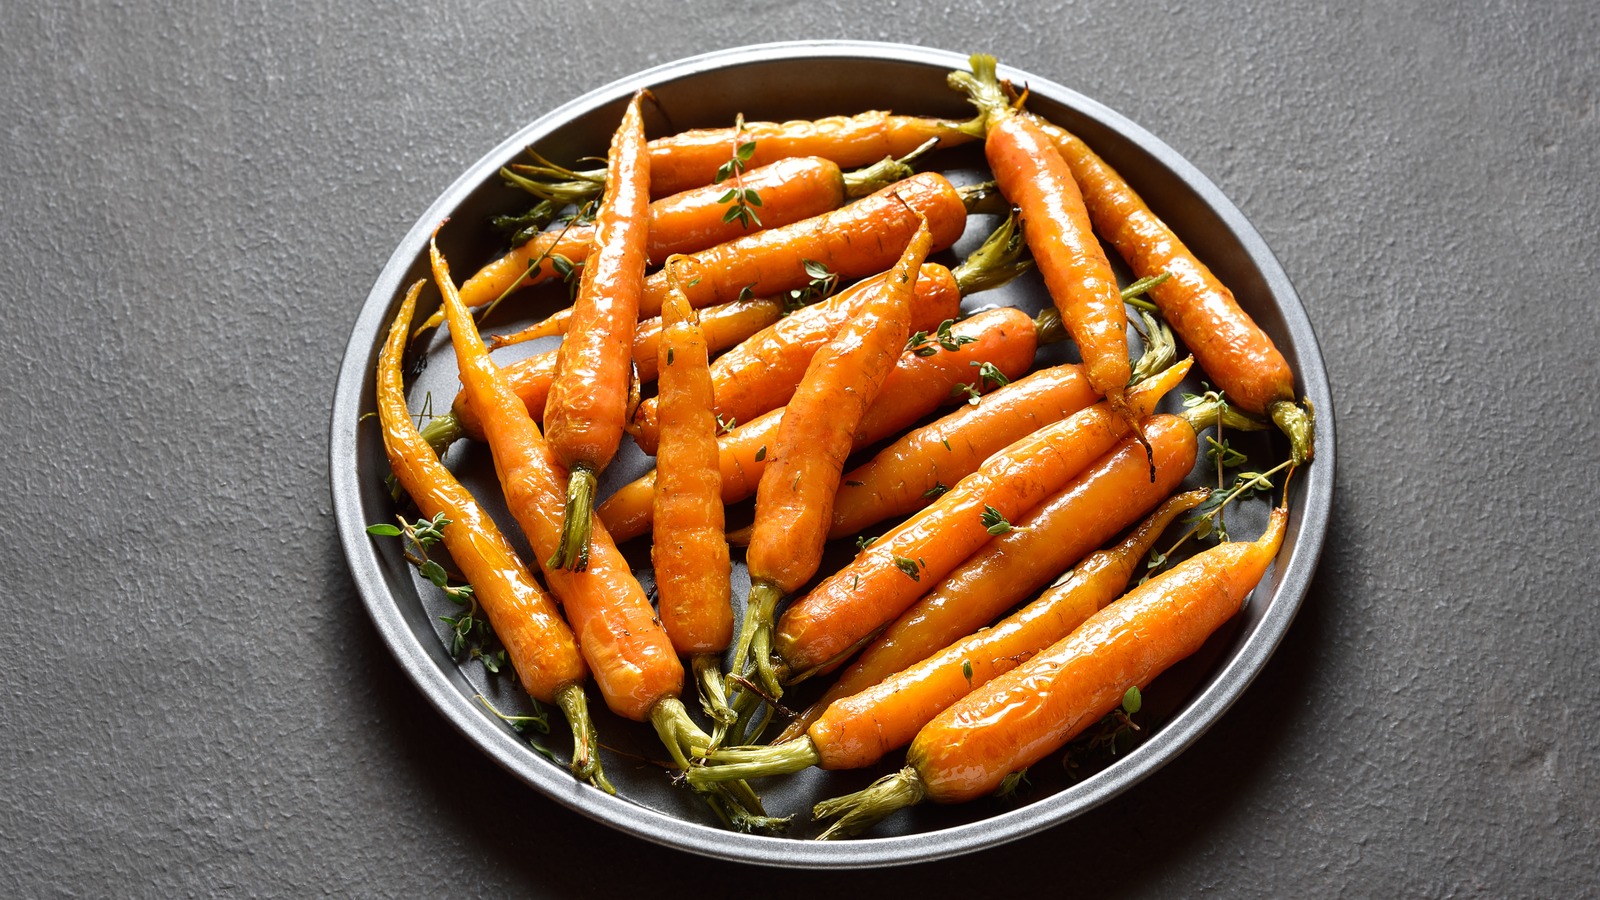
(794, 500)
(1077, 274)
(538, 642)
(588, 403)
(690, 551)
(888, 576)
(1033, 710)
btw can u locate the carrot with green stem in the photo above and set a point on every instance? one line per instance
(859, 728)
(854, 241)
(794, 499)
(588, 403)
(762, 373)
(1076, 272)
(1002, 346)
(1229, 346)
(538, 642)
(1033, 710)
(630, 655)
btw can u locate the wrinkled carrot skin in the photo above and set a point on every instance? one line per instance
(686, 222)
(587, 406)
(794, 499)
(762, 373)
(854, 241)
(1111, 495)
(632, 659)
(1232, 349)
(1033, 710)
(538, 642)
(898, 480)
(690, 549)
(915, 387)
(723, 326)
(846, 608)
(691, 158)
(1076, 272)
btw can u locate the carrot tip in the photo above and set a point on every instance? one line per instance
(869, 806)
(576, 523)
(752, 652)
(585, 741)
(713, 691)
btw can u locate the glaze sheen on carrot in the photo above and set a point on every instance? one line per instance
(1084, 514)
(540, 646)
(587, 408)
(1026, 714)
(760, 374)
(916, 386)
(888, 576)
(1229, 346)
(794, 499)
(853, 241)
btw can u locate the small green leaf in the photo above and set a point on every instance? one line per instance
(728, 195)
(751, 197)
(994, 521)
(938, 490)
(761, 453)
(1132, 700)
(745, 151)
(434, 573)
(865, 541)
(909, 567)
(966, 670)
(381, 530)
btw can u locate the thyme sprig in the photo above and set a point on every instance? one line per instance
(742, 200)
(469, 636)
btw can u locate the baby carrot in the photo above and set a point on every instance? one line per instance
(587, 407)
(1033, 710)
(690, 550)
(846, 608)
(1004, 338)
(794, 500)
(1085, 513)
(539, 644)
(1229, 346)
(857, 729)
(1076, 272)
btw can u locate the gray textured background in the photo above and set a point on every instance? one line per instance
(196, 200)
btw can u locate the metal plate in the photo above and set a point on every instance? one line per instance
(785, 81)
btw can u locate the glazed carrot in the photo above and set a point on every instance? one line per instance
(1229, 346)
(790, 189)
(722, 326)
(539, 644)
(690, 550)
(888, 576)
(794, 499)
(587, 407)
(858, 728)
(1085, 513)
(852, 242)
(918, 385)
(630, 655)
(761, 374)
(1033, 710)
(691, 158)
(1076, 272)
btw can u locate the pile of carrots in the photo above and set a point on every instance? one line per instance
(852, 392)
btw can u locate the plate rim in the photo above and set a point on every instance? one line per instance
(444, 689)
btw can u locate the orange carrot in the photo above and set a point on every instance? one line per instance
(794, 500)
(1033, 710)
(587, 407)
(538, 643)
(1229, 346)
(918, 385)
(849, 606)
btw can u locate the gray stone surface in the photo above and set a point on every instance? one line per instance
(197, 199)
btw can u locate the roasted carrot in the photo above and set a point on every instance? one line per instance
(1082, 515)
(692, 158)
(588, 403)
(630, 655)
(794, 499)
(1033, 710)
(1005, 338)
(858, 728)
(538, 642)
(852, 242)
(1229, 346)
(791, 190)
(690, 550)
(1076, 272)
(888, 576)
